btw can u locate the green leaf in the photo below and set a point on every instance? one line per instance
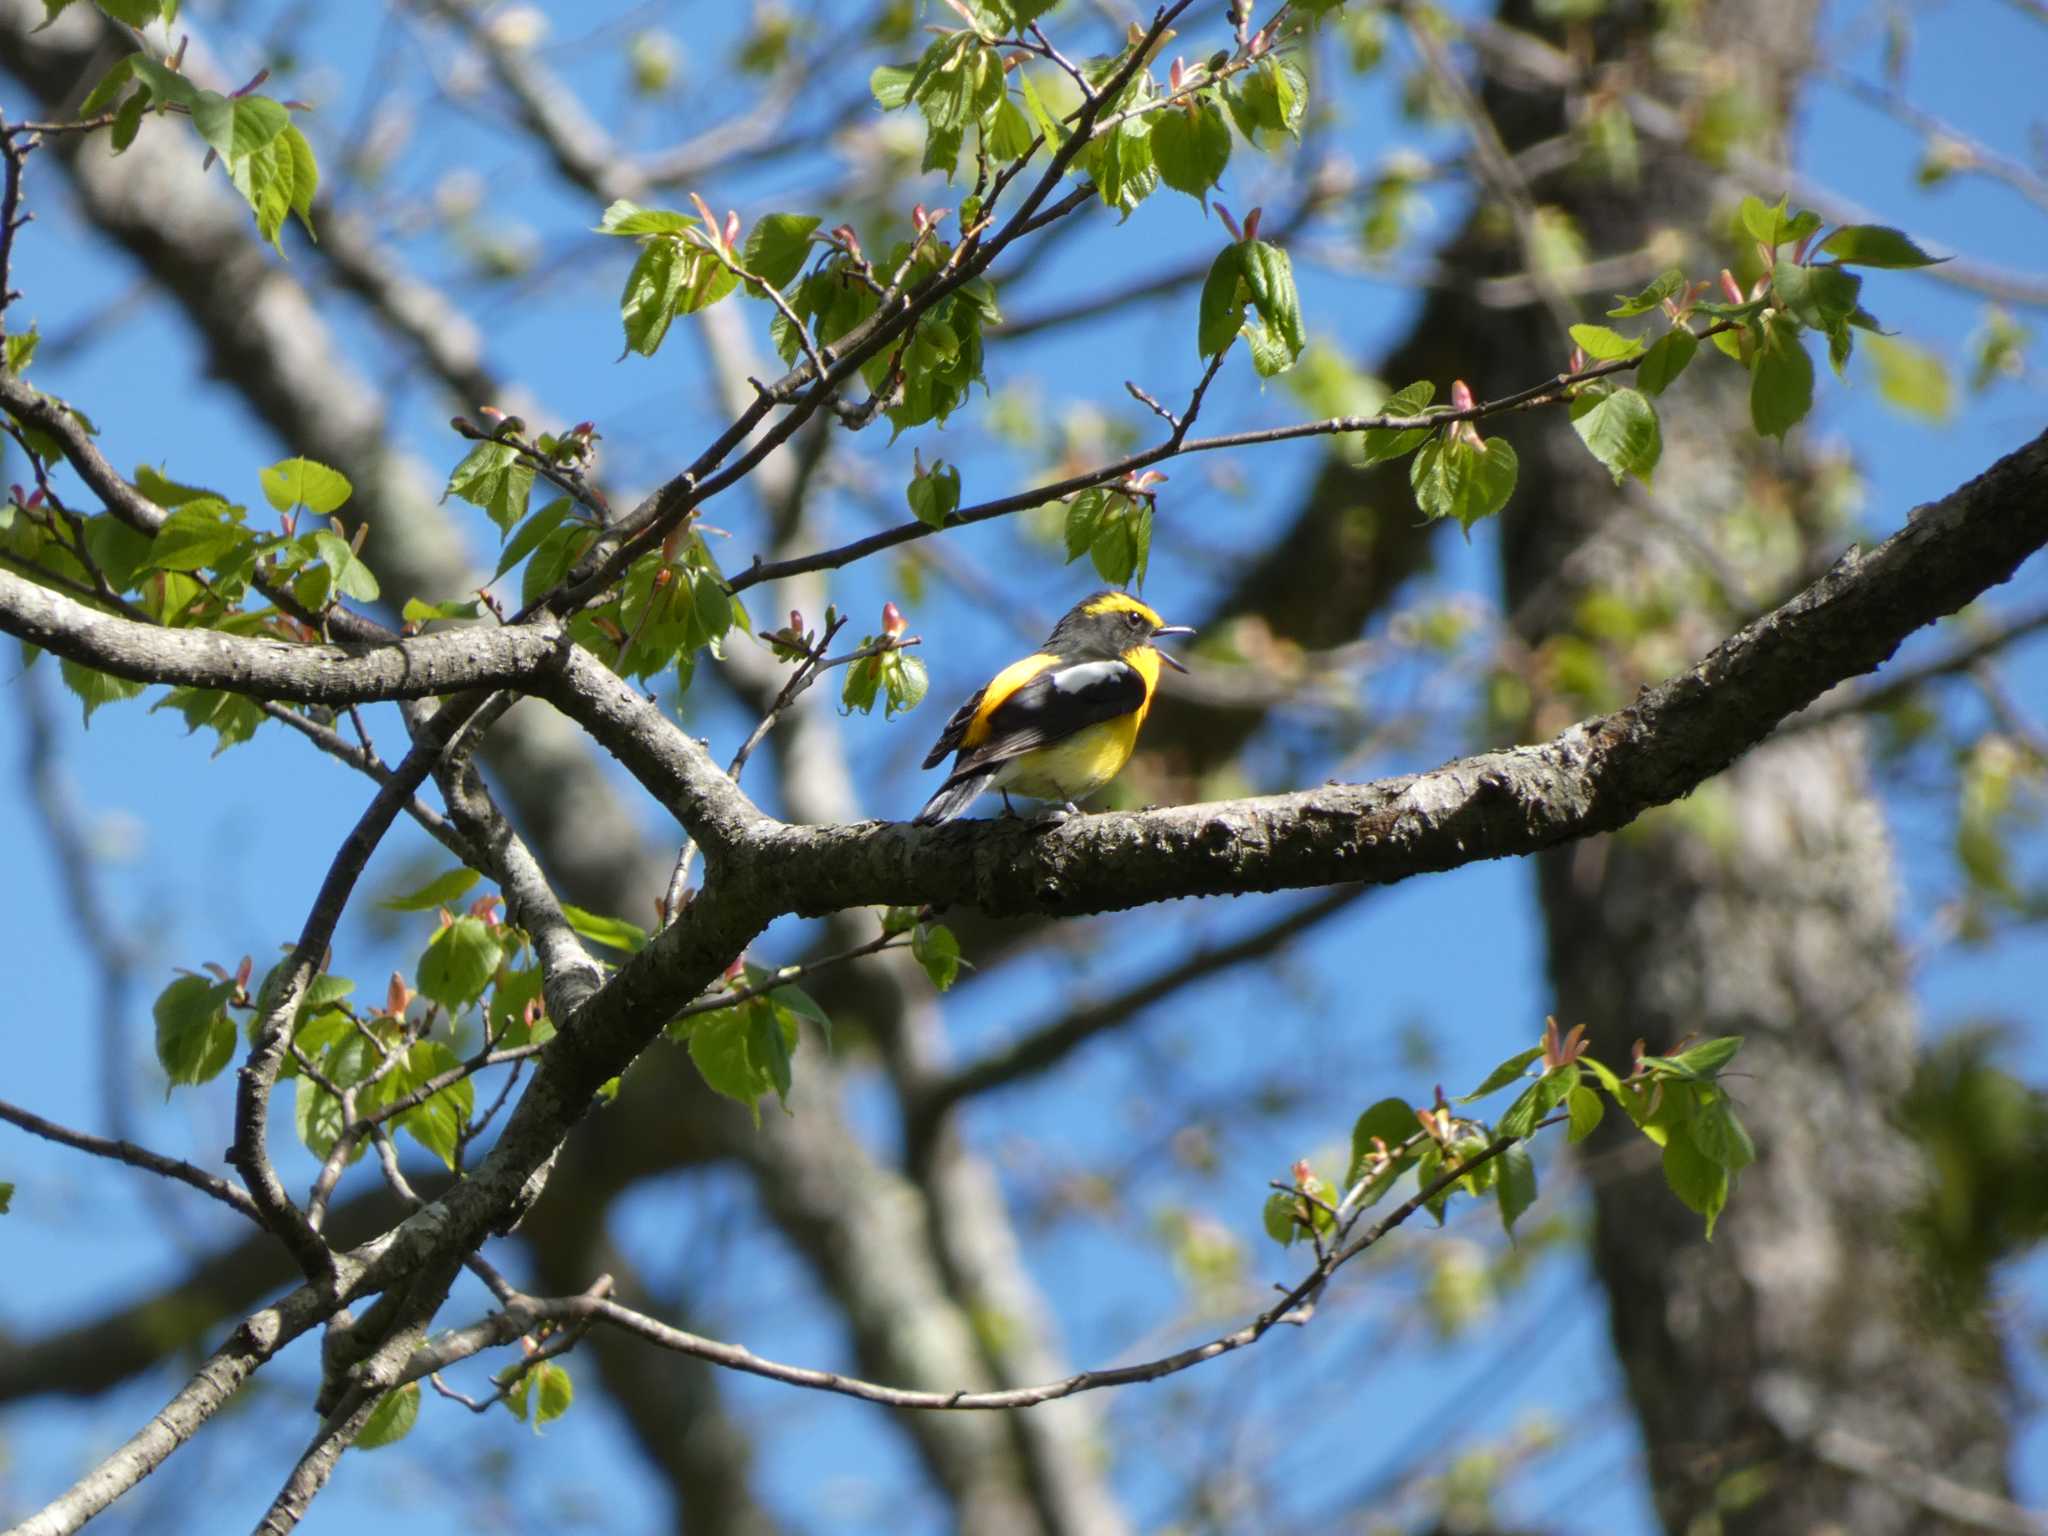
(1269, 279)
(1515, 1186)
(905, 681)
(197, 535)
(778, 246)
(1876, 245)
(1620, 427)
(737, 1056)
(194, 1035)
(1049, 127)
(1451, 478)
(1393, 1122)
(1586, 1109)
(1706, 1059)
(934, 947)
(1603, 344)
(891, 85)
(232, 717)
(1279, 1218)
(295, 147)
(1669, 282)
(6, 1195)
(1912, 378)
(1191, 147)
(1008, 135)
(934, 494)
(417, 611)
(437, 1122)
(1773, 226)
(1823, 297)
(136, 13)
(444, 889)
(1538, 1100)
(352, 578)
(459, 963)
(95, 688)
(1666, 360)
(1696, 1179)
(1123, 165)
(392, 1419)
(165, 84)
(1512, 1070)
(492, 476)
(304, 483)
(626, 217)
(20, 350)
(531, 532)
(553, 1393)
(1720, 1137)
(1780, 381)
(1273, 97)
(101, 96)
(1382, 443)
(237, 126)
(653, 287)
(1222, 310)
(612, 932)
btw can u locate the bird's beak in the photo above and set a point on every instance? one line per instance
(1172, 629)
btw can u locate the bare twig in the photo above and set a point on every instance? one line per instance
(135, 1157)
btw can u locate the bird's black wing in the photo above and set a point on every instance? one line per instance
(1052, 706)
(949, 738)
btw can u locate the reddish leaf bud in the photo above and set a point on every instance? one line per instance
(893, 622)
(1251, 223)
(1730, 289)
(397, 996)
(1229, 222)
(1461, 395)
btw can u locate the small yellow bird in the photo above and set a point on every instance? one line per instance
(1062, 722)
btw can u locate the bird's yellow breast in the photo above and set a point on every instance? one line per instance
(1076, 767)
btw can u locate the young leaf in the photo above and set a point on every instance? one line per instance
(626, 217)
(1603, 344)
(1269, 279)
(352, 578)
(1392, 1121)
(392, 1419)
(1666, 360)
(612, 932)
(531, 532)
(194, 1035)
(459, 963)
(443, 890)
(492, 476)
(1876, 245)
(1511, 1070)
(1780, 381)
(1669, 282)
(197, 535)
(1451, 478)
(652, 289)
(1191, 146)
(1586, 1109)
(934, 495)
(1698, 1181)
(1620, 427)
(778, 246)
(1382, 443)
(735, 1054)
(1515, 1187)
(302, 482)
(934, 947)
(438, 1121)
(1222, 309)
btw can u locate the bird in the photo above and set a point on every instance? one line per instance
(1062, 722)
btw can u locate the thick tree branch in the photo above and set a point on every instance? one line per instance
(1595, 777)
(248, 1347)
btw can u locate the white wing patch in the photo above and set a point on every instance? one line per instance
(1084, 675)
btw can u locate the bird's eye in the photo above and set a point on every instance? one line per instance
(1135, 620)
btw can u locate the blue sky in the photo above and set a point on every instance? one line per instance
(205, 858)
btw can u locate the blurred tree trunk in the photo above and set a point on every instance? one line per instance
(1763, 907)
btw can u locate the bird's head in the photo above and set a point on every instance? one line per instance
(1112, 624)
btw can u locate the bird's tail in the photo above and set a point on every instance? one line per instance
(954, 796)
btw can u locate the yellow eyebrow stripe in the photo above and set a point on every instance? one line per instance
(1000, 687)
(1123, 602)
